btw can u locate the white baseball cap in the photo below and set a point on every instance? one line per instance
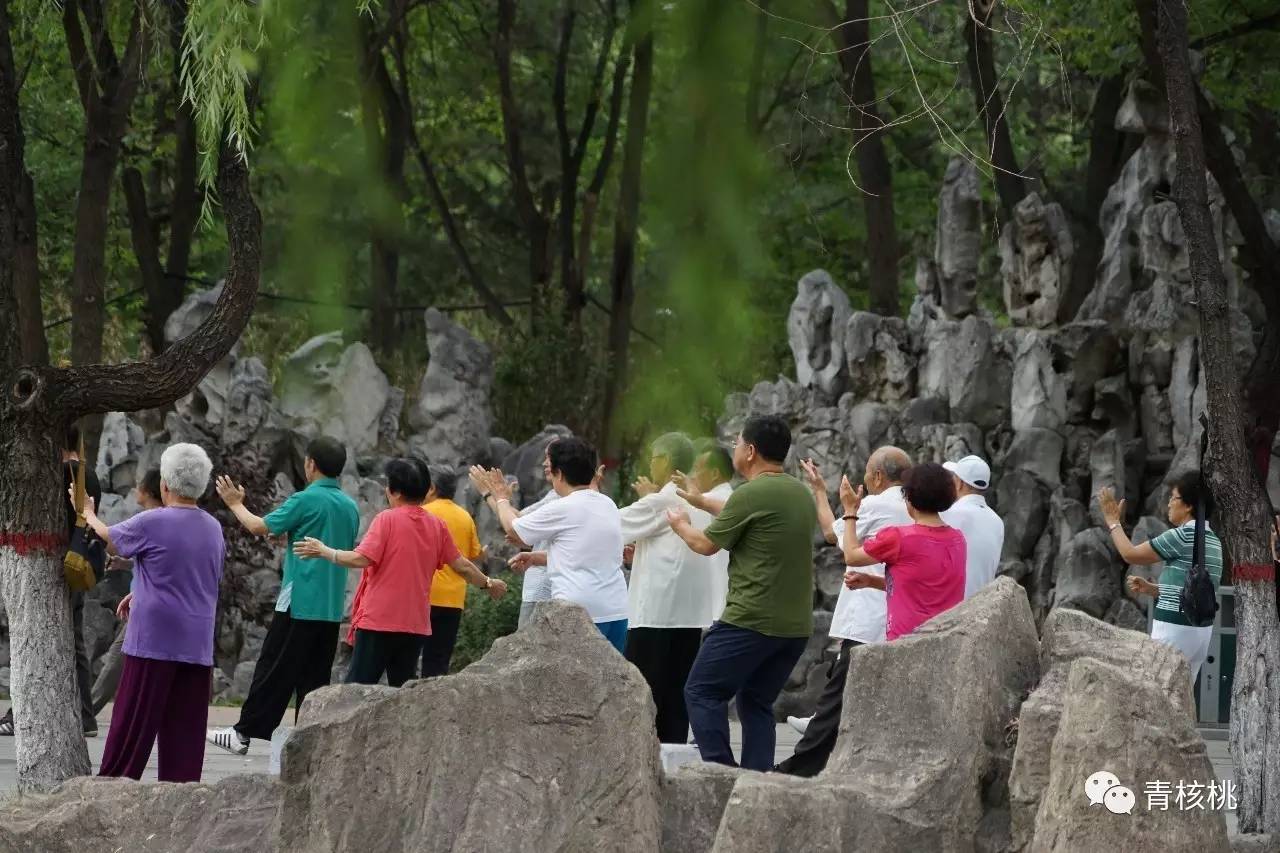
(971, 470)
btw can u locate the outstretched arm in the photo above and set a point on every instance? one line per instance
(496, 492)
(95, 524)
(310, 549)
(817, 485)
(697, 541)
(232, 495)
(472, 575)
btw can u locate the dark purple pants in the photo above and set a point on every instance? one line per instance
(164, 701)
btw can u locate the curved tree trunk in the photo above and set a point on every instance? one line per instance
(36, 404)
(1243, 504)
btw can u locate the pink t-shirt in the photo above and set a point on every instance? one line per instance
(924, 573)
(404, 545)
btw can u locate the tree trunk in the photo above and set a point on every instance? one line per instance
(35, 346)
(1243, 504)
(1109, 149)
(36, 404)
(875, 175)
(386, 138)
(1010, 186)
(622, 278)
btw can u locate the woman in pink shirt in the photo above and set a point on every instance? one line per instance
(924, 562)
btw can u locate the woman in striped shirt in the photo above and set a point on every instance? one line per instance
(1174, 548)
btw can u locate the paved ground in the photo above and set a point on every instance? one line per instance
(219, 764)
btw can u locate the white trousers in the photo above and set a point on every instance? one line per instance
(1192, 642)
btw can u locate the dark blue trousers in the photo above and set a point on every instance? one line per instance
(738, 662)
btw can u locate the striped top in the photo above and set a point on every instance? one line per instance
(1175, 547)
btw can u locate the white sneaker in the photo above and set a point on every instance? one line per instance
(800, 724)
(229, 739)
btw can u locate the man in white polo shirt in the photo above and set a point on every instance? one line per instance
(860, 613)
(983, 530)
(673, 589)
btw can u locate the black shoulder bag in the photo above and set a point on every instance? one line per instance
(1198, 600)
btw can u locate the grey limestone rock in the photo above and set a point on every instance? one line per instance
(575, 766)
(453, 413)
(816, 333)
(1036, 255)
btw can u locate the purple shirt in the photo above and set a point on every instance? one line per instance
(178, 554)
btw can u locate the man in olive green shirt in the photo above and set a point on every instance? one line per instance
(297, 653)
(767, 528)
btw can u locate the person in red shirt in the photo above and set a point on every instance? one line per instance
(924, 562)
(391, 614)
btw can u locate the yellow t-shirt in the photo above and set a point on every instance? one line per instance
(448, 589)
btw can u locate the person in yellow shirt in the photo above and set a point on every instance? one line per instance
(448, 589)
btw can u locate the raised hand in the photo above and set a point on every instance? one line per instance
(1112, 510)
(813, 477)
(686, 488)
(851, 498)
(677, 516)
(122, 611)
(232, 493)
(521, 562)
(644, 486)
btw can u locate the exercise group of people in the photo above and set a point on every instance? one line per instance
(718, 605)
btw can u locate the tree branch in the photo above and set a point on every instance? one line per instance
(81, 65)
(104, 52)
(493, 305)
(92, 389)
(597, 81)
(1253, 25)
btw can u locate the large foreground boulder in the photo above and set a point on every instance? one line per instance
(921, 756)
(545, 744)
(1115, 723)
(1069, 636)
(236, 815)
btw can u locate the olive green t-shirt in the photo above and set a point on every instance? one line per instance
(767, 528)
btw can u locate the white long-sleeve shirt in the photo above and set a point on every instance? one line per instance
(860, 614)
(671, 585)
(983, 538)
(720, 559)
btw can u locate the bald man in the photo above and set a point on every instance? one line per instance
(860, 613)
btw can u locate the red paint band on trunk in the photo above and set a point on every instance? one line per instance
(1253, 572)
(27, 543)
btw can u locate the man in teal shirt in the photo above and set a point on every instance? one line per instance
(297, 654)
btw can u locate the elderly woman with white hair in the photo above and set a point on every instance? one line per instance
(178, 553)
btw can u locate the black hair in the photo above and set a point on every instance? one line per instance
(328, 454)
(150, 483)
(677, 447)
(574, 459)
(1193, 490)
(769, 435)
(445, 480)
(718, 459)
(71, 441)
(409, 478)
(929, 487)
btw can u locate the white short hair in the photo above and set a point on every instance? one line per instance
(185, 469)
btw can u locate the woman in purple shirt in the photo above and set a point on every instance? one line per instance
(178, 552)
